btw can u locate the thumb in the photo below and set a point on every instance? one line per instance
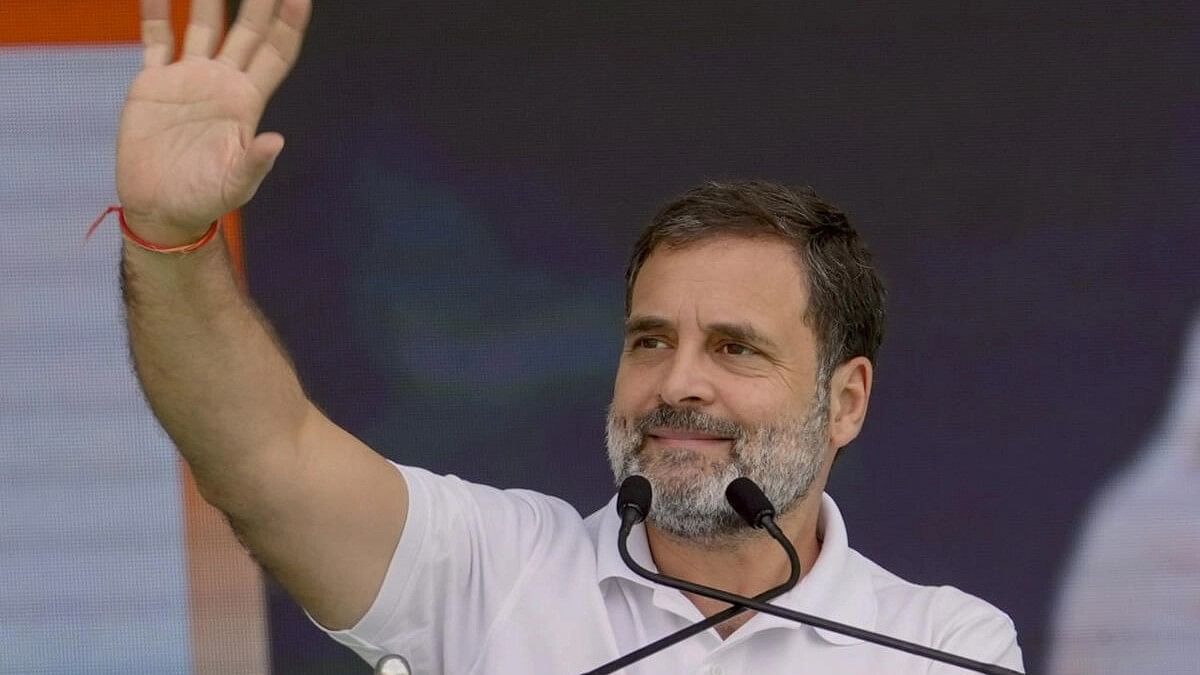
(256, 163)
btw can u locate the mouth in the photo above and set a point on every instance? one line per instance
(681, 438)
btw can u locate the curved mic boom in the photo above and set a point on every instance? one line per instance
(755, 510)
(636, 498)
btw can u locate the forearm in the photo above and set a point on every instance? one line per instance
(318, 508)
(219, 383)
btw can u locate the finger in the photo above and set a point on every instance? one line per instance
(158, 39)
(276, 56)
(204, 30)
(248, 32)
(257, 163)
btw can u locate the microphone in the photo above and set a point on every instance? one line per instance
(634, 499)
(757, 511)
(750, 503)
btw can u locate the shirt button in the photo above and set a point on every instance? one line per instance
(714, 670)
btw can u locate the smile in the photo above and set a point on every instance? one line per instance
(677, 438)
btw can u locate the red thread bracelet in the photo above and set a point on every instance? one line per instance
(149, 246)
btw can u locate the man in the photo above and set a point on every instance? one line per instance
(753, 319)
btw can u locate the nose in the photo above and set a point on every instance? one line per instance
(686, 381)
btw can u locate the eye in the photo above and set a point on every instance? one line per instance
(649, 343)
(737, 349)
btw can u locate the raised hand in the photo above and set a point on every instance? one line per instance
(188, 150)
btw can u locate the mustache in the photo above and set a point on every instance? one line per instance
(688, 419)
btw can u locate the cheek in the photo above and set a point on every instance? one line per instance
(624, 385)
(633, 386)
(760, 405)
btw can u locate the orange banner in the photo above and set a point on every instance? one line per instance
(76, 21)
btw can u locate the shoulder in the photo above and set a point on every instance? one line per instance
(457, 498)
(594, 522)
(940, 602)
(451, 500)
(942, 617)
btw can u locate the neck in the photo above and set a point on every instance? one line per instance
(744, 565)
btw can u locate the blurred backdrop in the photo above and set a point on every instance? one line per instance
(442, 245)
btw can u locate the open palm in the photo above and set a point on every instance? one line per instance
(188, 149)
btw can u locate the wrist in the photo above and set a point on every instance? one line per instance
(158, 239)
(161, 246)
(147, 227)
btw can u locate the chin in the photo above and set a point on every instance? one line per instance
(687, 477)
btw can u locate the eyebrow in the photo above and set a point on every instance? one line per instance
(742, 332)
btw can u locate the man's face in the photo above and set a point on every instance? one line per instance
(718, 379)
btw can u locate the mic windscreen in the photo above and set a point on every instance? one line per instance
(635, 492)
(749, 501)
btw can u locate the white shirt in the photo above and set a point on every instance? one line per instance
(514, 582)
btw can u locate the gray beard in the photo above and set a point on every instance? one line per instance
(784, 459)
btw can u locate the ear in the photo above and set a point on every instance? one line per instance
(849, 393)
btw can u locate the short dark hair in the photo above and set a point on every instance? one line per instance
(846, 296)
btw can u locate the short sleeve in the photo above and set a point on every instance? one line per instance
(975, 629)
(463, 553)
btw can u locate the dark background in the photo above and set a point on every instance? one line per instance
(442, 244)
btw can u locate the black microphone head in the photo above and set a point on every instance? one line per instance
(749, 501)
(635, 493)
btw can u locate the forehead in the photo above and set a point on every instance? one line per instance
(757, 279)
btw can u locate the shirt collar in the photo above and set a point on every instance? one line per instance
(838, 587)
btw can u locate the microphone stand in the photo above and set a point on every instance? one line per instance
(699, 627)
(808, 619)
